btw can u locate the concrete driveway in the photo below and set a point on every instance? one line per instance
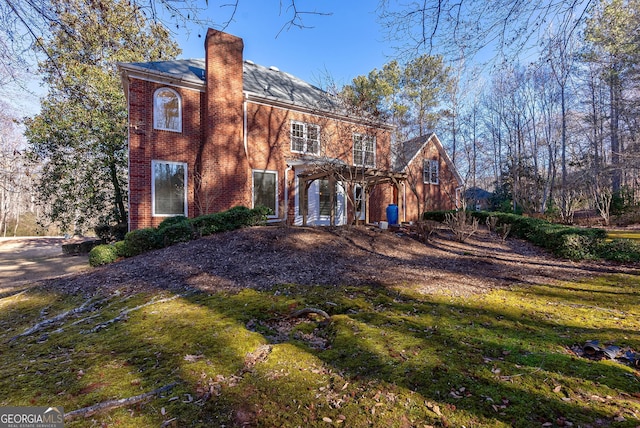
(27, 259)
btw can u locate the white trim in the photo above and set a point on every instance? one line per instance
(153, 188)
(426, 178)
(305, 137)
(313, 199)
(253, 188)
(128, 159)
(442, 152)
(365, 137)
(153, 107)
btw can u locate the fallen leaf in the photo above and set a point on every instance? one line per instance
(557, 388)
(328, 420)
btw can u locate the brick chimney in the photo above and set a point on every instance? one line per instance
(222, 161)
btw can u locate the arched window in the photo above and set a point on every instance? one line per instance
(167, 110)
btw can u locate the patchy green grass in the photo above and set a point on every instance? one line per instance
(388, 358)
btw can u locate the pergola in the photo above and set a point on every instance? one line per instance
(366, 177)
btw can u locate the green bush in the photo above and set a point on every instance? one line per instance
(142, 240)
(121, 248)
(177, 232)
(576, 247)
(172, 221)
(439, 216)
(102, 255)
(181, 229)
(232, 219)
(565, 241)
(620, 250)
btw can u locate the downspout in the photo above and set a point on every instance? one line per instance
(244, 127)
(286, 192)
(404, 202)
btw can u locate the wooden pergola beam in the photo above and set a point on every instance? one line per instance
(368, 177)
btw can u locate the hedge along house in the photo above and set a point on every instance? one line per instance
(207, 135)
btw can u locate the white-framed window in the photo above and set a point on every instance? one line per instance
(168, 188)
(305, 138)
(364, 150)
(431, 171)
(265, 190)
(167, 110)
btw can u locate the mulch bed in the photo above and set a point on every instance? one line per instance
(261, 257)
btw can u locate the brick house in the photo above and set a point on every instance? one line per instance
(206, 135)
(432, 180)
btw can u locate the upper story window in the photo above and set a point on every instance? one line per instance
(431, 171)
(167, 110)
(305, 138)
(364, 150)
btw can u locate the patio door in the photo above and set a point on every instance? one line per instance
(319, 204)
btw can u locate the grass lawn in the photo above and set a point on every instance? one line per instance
(388, 358)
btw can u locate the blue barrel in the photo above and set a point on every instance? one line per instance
(392, 214)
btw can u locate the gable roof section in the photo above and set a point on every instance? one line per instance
(409, 150)
(188, 73)
(276, 85)
(260, 82)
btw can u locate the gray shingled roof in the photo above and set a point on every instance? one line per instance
(407, 150)
(260, 81)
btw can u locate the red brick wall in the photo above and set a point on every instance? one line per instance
(432, 196)
(269, 144)
(223, 159)
(147, 144)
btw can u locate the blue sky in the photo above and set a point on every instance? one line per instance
(346, 42)
(343, 45)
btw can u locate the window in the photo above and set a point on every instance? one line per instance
(169, 188)
(265, 190)
(305, 138)
(430, 173)
(364, 150)
(167, 110)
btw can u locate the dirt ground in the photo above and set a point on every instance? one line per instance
(262, 257)
(24, 260)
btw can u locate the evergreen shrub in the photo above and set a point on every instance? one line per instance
(102, 255)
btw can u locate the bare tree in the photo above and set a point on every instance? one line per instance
(463, 28)
(14, 178)
(25, 23)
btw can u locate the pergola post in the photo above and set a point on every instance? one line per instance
(368, 178)
(332, 199)
(366, 191)
(304, 202)
(399, 193)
